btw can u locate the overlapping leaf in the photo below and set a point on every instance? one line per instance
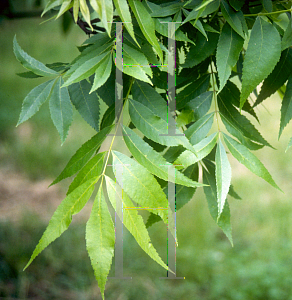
(83, 154)
(100, 239)
(228, 49)
(152, 160)
(244, 156)
(286, 109)
(262, 54)
(61, 108)
(86, 104)
(62, 217)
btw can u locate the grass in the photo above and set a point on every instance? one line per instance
(257, 267)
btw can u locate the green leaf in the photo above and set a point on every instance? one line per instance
(237, 120)
(30, 63)
(86, 104)
(146, 25)
(148, 96)
(232, 17)
(168, 10)
(197, 131)
(152, 160)
(201, 104)
(83, 154)
(211, 195)
(203, 49)
(107, 91)
(268, 5)
(289, 145)
(104, 8)
(102, 73)
(62, 217)
(61, 108)
(100, 239)
(153, 126)
(136, 64)
(28, 74)
(64, 7)
(236, 4)
(286, 109)
(244, 156)
(92, 169)
(124, 12)
(192, 91)
(277, 78)
(108, 117)
(88, 68)
(287, 38)
(141, 185)
(262, 54)
(51, 4)
(203, 148)
(229, 46)
(34, 100)
(132, 220)
(223, 176)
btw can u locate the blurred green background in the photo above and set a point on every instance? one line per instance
(259, 266)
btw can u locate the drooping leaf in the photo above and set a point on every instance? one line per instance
(64, 7)
(62, 217)
(140, 185)
(146, 25)
(92, 169)
(108, 117)
(192, 91)
(51, 4)
(211, 194)
(86, 104)
(124, 12)
(148, 96)
(132, 220)
(262, 54)
(30, 63)
(84, 9)
(154, 127)
(61, 108)
(229, 46)
(136, 64)
(286, 109)
(238, 120)
(83, 154)
(28, 74)
(278, 77)
(203, 148)
(232, 17)
(244, 156)
(201, 104)
(203, 49)
(34, 100)
(107, 91)
(223, 176)
(100, 239)
(102, 72)
(152, 160)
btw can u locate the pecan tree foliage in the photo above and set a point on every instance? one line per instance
(225, 49)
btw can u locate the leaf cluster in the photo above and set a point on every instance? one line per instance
(224, 50)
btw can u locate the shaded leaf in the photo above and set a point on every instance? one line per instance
(169, 10)
(30, 63)
(61, 108)
(201, 104)
(146, 25)
(34, 100)
(152, 160)
(229, 46)
(100, 239)
(83, 154)
(86, 104)
(62, 217)
(108, 117)
(262, 54)
(244, 156)
(286, 109)
(287, 37)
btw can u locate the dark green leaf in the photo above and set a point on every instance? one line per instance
(61, 108)
(286, 109)
(262, 54)
(108, 117)
(201, 104)
(287, 38)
